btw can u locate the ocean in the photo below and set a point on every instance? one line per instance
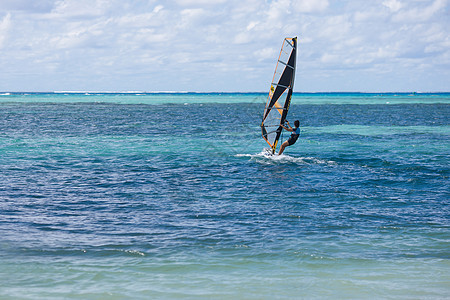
(170, 196)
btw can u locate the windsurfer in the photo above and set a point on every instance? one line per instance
(294, 135)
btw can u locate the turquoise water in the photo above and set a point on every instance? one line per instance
(162, 196)
(227, 98)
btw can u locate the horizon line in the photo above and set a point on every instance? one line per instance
(4, 93)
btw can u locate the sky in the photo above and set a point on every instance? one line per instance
(223, 45)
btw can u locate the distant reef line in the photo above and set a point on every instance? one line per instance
(87, 93)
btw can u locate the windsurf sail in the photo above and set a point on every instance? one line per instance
(280, 94)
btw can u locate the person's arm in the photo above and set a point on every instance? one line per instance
(288, 129)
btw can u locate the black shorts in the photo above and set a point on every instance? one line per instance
(291, 141)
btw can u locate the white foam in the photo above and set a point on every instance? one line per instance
(266, 158)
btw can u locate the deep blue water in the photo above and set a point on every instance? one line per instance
(170, 196)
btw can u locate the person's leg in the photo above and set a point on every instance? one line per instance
(284, 145)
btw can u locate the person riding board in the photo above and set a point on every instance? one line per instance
(294, 135)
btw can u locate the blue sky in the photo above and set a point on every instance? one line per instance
(223, 45)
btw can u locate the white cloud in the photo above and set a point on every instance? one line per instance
(336, 27)
(199, 2)
(191, 17)
(178, 44)
(393, 5)
(266, 53)
(5, 25)
(83, 9)
(420, 14)
(158, 8)
(310, 6)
